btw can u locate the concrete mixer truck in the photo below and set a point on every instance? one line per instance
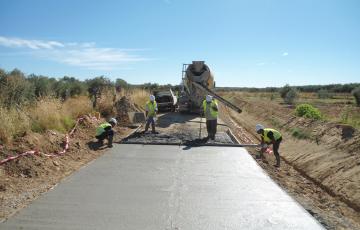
(197, 82)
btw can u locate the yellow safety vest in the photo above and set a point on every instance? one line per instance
(276, 133)
(151, 107)
(213, 112)
(101, 129)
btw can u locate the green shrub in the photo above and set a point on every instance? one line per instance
(308, 111)
(284, 90)
(15, 89)
(68, 123)
(356, 93)
(291, 96)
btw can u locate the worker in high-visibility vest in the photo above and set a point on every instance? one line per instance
(211, 110)
(269, 136)
(150, 112)
(104, 131)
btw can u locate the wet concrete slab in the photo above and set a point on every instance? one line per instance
(176, 138)
(166, 187)
(178, 128)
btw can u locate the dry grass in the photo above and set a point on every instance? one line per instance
(341, 108)
(105, 104)
(13, 123)
(78, 106)
(51, 113)
(47, 114)
(139, 96)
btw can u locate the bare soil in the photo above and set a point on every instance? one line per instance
(322, 171)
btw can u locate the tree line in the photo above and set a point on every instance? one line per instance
(335, 88)
(17, 89)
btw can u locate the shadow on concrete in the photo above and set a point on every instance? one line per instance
(94, 145)
(194, 143)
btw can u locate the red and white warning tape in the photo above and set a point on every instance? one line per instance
(56, 154)
(269, 150)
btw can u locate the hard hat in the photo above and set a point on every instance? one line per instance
(209, 98)
(113, 121)
(259, 127)
(152, 98)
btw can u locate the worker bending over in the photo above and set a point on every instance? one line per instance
(269, 136)
(210, 107)
(150, 112)
(104, 131)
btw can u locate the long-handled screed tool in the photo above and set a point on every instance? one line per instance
(200, 127)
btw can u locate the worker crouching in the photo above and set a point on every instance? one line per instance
(105, 131)
(269, 136)
(150, 112)
(211, 111)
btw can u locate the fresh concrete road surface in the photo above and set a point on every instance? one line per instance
(166, 187)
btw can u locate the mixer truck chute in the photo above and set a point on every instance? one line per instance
(197, 82)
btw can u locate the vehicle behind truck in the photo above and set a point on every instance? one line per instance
(166, 100)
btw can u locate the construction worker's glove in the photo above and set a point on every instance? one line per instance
(263, 147)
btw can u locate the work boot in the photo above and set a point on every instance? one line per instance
(110, 141)
(153, 129)
(277, 165)
(146, 127)
(100, 142)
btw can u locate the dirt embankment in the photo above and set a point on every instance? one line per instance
(324, 166)
(122, 107)
(24, 179)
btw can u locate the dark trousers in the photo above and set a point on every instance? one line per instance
(276, 147)
(211, 126)
(149, 121)
(106, 135)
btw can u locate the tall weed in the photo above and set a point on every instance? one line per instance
(52, 113)
(139, 96)
(13, 123)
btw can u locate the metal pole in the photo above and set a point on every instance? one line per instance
(200, 127)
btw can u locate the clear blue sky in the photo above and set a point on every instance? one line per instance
(246, 43)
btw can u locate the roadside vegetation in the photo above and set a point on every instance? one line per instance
(308, 111)
(37, 103)
(334, 103)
